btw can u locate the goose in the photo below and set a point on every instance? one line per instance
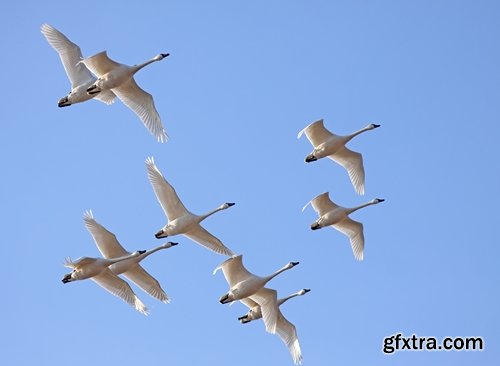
(331, 214)
(327, 144)
(97, 269)
(244, 284)
(285, 329)
(110, 247)
(119, 78)
(78, 74)
(180, 220)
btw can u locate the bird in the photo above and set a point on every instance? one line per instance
(119, 78)
(180, 220)
(285, 329)
(78, 74)
(243, 284)
(97, 269)
(110, 247)
(331, 214)
(327, 144)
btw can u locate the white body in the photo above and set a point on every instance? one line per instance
(180, 220)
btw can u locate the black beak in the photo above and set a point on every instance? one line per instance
(160, 235)
(243, 317)
(295, 263)
(92, 90)
(306, 290)
(141, 251)
(165, 54)
(315, 226)
(66, 279)
(380, 199)
(63, 102)
(310, 158)
(376, 126)
(231, 204)
(172, 243)
(224, 299)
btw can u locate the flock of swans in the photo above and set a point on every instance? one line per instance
(101, 78)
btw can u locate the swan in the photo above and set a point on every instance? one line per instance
(97, 269)
(78, 74)
(119, 79)
(330, 214)
(333, 146)
(245, 284)
(180, 220)
(110, 247)
(285, 329)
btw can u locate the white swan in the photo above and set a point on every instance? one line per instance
(245, 284)
(180, 220)
(333, 146)
(331, 214)
(119, 79)
(110, 247)
(97, 269)
(78, 74)
(285, 329)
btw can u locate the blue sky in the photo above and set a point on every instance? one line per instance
(241, 81)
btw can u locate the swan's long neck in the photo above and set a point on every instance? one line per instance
(351, 210)
(270, 277)
(283, 300)
(119, 259)
(149, 252)
(354, 134)
(144, 64)
(203, 217)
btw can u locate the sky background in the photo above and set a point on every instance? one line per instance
(242, 80)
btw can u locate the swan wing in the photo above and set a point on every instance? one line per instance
(353, 162)
(148, 283)
(203, 237)
(82, 261)
(105, 240)
(100, 63)
(165, 193)
(316, 133)
(323, 204)
(234, 270)
(267, 299)
(118, 287)
(142, 104)
(70, 55)
(106, 96)
(249, 302)
(354, 230)
(288, 335)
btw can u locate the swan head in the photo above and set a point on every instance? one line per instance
(169, 244)
(245, 318)
(138, 253)
(373, 126)
(163, 232)
(311, 157)
(291, 264)
(315, 226)
(304, 291)
(64, 102)
(161, 56)
(377, 200)
(227, 205)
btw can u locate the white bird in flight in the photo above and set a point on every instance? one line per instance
(110, 247)
(78, 74)
(327, 144)
(180, 220)
(331, 214)
(243, 284)
(285, 329)
(97, 269)
(119, 78)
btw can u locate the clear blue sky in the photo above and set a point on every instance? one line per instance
(242, 79)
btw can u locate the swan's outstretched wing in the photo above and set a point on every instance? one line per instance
(354, 230)
(203, 237)
(233, 270)
(322, 204)
(353, 162)
(70, 55)
(82, 261)
(288, 335)
(143, 106)
(118, 287)
(165, 193)
(267, 299)
(148, 283)
(105, 240)
(100, 63)
(316, 133)
(249, 302)
(106, 96)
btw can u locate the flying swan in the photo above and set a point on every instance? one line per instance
(180, 220)
(327, 144)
